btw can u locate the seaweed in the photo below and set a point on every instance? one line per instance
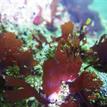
(64, 66)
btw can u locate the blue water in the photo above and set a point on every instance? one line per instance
(101, 7)
(80, 10)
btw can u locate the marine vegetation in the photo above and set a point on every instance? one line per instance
(67, 74)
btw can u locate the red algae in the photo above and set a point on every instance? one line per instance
(63, 67)
(11, 54)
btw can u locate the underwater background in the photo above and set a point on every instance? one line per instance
(100, 6)
(53, 53)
